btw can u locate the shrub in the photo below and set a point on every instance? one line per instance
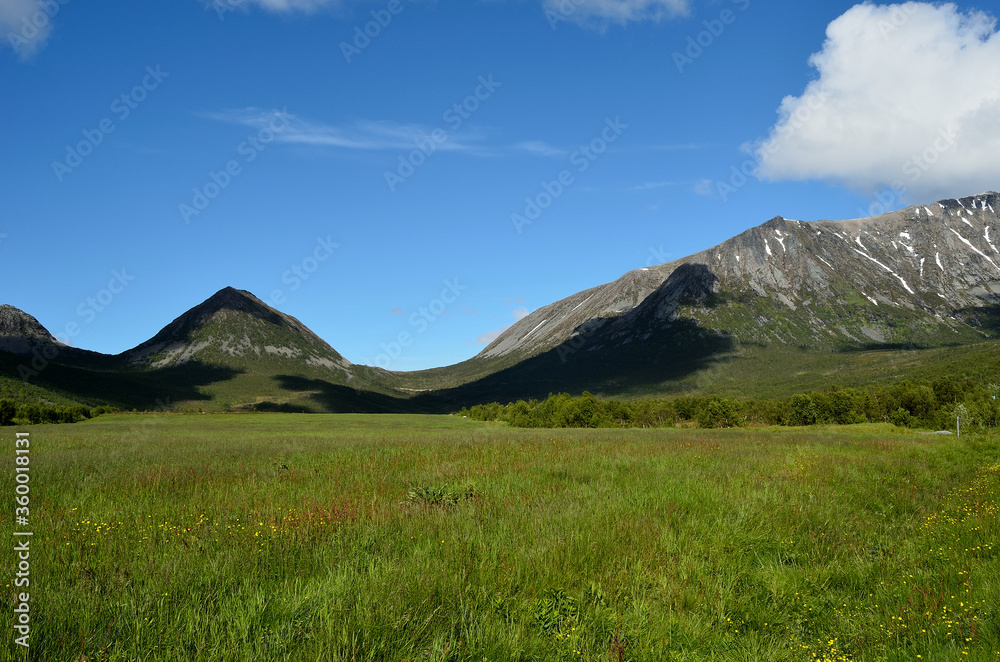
(719, 413)
(901, 418)
(7, 412)
(801, 410)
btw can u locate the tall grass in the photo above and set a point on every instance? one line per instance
(286, 537)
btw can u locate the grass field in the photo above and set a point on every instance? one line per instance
(351, 537)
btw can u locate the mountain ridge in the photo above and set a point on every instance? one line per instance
(759, 260)
(923, 276)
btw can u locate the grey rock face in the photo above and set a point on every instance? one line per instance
(20, 333)
(925, 263)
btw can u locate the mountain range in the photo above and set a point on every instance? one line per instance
(781, 307)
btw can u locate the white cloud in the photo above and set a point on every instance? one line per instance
(907, 95)
(596, 13)
(26, 24)
(631, 188)
(704, 187)
(649, 186)
(518, 314)
(293, 5)
(305, 6)
(361, 135)
(539, 148)
(490, 336)
(601, 12)
(383, 135)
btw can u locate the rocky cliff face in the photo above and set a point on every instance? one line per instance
(915, 275)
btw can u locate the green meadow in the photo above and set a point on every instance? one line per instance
(434, 538)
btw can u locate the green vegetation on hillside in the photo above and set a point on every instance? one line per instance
(688, 367)
(287, 537)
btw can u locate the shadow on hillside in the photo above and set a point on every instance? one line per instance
(689, 284)
(885, 347)
(638, 352)
(143, 390)
(596, 363)
(986, 318)
(337, 399)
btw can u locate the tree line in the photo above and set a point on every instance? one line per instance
(914, 404)
(13, 413)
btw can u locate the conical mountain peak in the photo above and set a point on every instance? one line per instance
(233, 327)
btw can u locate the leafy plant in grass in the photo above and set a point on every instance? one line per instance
(441, 495)
(556, 612)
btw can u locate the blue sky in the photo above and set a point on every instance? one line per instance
(382, 183)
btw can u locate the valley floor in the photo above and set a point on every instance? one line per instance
(404, 537)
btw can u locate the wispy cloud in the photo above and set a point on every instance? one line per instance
(518, 314)
(704, 187)
(679, 147)
(631, 188)
(490, 336)
(541, 148)
(25, 25)
(599, 13)
(590, 13)
(361, 135)
(649, 186)
(373, 135)
(278, 6)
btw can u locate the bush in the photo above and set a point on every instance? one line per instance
(801, 411)
(7, 412)
(901, 418)
(719, 413)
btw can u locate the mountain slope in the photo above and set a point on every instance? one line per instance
(900, 277)
(783, 305)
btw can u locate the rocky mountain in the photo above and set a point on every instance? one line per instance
(23, 336)
(921, 275)
(20, 333)
(230, 352)
(781, 307)
(233, 327)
